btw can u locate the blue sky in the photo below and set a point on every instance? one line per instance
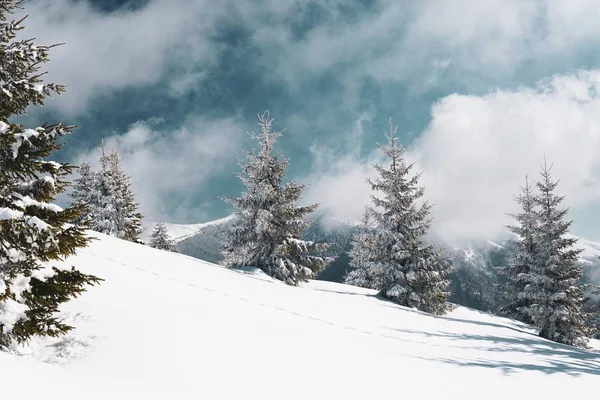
(480, 90)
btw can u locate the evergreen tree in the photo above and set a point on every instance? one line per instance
(108, 199)
(591, 309)
(82, 191)
(523, 261)
(101, 205)
(404, 269)
(160, 239)
(362, 272)
(34, 232)
(555, 282)
(266, 232)
(127, 218)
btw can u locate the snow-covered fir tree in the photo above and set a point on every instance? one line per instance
(523, 261)
(128, 219)
(34, 232)
(362, 268)
(402, 267)
(109, 202)
(101, 208)
(82, 191)
(267, 230)
(160, 239)
(555, 283)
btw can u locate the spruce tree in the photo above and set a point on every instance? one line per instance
(34, 232)
(128, 219)
(267, 230)
(405, 270)
(362, 268)
(160, 239)
(109, 202)
(556, 277)
(523, 261)
(101, 206)
(82, 191)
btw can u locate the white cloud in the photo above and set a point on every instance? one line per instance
(173, 164)
(417, 42)
(477, 150)
(338, 178)
(342, 192)
(476, 147)
(103, 52)
(400, 41)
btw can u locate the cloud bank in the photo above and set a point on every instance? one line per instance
(426, 43)
(433, 42)
(477, 150)
(106, 52)
(325, 62)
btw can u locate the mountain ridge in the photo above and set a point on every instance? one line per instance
(180, 232)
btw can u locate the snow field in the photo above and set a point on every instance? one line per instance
(164, 325)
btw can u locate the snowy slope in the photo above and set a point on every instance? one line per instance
(591, 250)
(179, 232)
(164, 325)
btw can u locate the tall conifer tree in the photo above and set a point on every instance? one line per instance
(361, 257)
(556, 277)
(127, 218)
(267, 231)
(34, 232)
(399, 264)
(109, 202)
(82, 191)
(521, 264)
(101, 203)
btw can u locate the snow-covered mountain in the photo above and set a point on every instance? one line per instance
(340, 234)
(477, 264)
(179, 232)
(164, 325)
(344, 228)
(591, 250)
